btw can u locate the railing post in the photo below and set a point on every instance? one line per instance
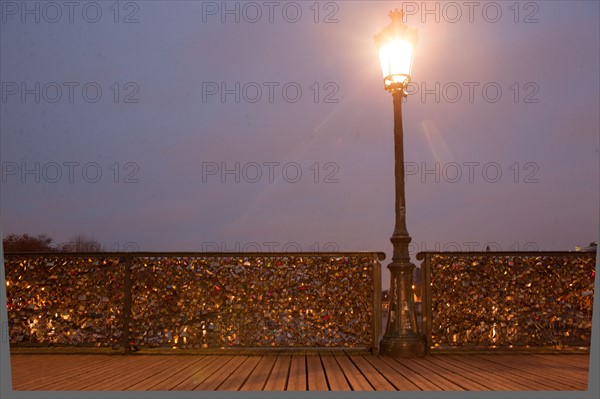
(426, 299)
(127, 295)
(376, 304)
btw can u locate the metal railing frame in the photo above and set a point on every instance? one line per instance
(125, 258)
(426, 256)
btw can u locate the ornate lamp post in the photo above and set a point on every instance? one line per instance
(396, 43)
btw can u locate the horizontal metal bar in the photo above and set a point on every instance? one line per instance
(380, 255)
(421, 255)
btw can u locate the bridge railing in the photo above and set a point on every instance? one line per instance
(507, 299)
(194, 300)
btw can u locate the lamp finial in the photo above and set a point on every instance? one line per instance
(396, 15)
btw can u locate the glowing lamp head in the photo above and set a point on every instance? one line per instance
(396, 44)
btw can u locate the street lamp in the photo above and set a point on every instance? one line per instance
(396, 43)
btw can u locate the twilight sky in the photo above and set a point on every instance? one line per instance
(264, 126)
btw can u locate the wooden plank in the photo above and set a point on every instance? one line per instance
(577, 361)
(101, 373)
(214, 380)
(577, 377)
(258, 378)
(506, 373)
(575, 358)
(170, 380)
(372, 375)
(335, 377)
(297, 375)
(54, 376)
(201, 371)
(482, 377)
(278, 379)
(21, 358)
(124, 371)
(548, 368)
(166, 377)
(41, 362)
(239, 377)
(529, 374)
(357, 381)
(316, 375)
(34, 364)
(453, 376)
(566, 369)
(321, 371)
(432, 375)
(424, 383)
(557, 380)
(132, 376)
(24, 372)
(397, 379)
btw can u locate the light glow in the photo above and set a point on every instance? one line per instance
(396, 60)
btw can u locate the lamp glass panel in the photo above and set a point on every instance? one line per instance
(396, 59)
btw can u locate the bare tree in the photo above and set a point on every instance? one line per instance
(81, 243)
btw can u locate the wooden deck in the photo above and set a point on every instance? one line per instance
(299, 371)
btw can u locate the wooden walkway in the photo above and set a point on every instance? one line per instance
(321, 371)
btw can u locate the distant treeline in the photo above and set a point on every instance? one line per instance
(44, 243)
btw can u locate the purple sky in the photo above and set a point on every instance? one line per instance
(516, 170)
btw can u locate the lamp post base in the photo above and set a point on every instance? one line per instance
(407, 346)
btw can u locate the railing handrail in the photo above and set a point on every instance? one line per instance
(380, 255)
(421, 255)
